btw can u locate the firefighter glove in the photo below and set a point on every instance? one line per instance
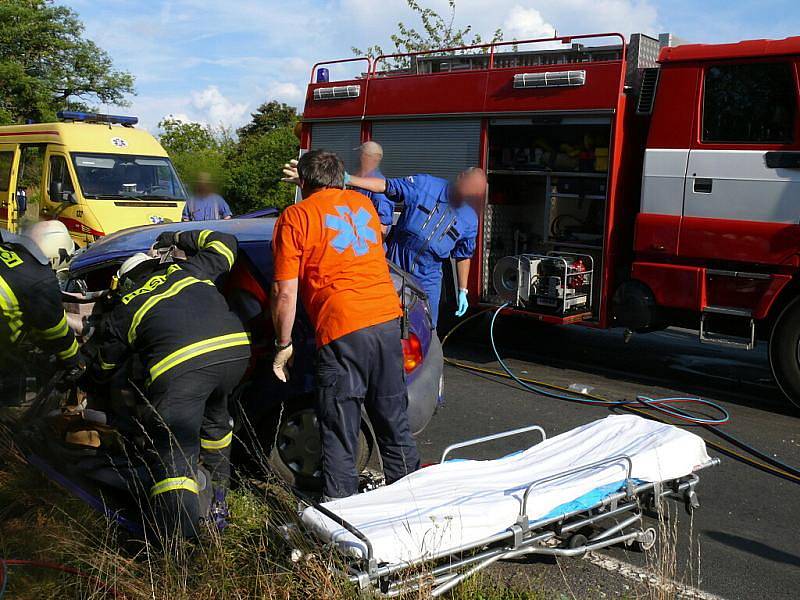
(463, 302)
(284, 357)
(167, 239)
(71, 376)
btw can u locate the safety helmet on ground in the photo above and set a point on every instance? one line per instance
(53, 240)
(127, 270)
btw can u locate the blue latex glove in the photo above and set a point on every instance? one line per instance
(463, 303)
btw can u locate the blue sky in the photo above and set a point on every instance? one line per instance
(214, 62)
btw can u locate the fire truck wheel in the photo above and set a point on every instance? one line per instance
(784, 351)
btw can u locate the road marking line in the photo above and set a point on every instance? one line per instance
(641, 575)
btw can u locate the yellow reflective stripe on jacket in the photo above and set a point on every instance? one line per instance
(104, 366)
(69, 352)
(224, 250)
(216, 245)
(173, 484)
(191, 351)
(171, 291)
(219, 444)
(57, 331)
(9, 307)
(150, 285)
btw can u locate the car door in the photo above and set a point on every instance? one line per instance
(9, 167)
(742, 193)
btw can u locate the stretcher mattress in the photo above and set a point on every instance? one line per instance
(460, 502)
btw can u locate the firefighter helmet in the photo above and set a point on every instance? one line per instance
(126, 274)
(53, 239)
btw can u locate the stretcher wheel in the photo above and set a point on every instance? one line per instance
(577, 540)
(647, 542)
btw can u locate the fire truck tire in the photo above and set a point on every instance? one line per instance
(784, 351)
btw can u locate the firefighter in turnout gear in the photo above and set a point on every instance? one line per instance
(30, 302)
(195, 351)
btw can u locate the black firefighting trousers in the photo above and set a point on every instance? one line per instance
(363, 368)
(192, 421)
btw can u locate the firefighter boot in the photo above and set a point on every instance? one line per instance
(218, 513)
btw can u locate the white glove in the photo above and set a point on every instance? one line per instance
(284, 358)
(290, 173)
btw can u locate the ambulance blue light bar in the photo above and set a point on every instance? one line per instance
(87, 117)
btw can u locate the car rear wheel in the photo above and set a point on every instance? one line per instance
(296, 455)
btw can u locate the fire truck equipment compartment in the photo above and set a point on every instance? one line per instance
(548, 186)
(470, 513)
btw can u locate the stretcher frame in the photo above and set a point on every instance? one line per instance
(616, 519)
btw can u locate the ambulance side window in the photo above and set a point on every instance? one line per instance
(6, 160)
(749, 103)
(59, 173)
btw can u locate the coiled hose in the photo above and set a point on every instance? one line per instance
(641, 405)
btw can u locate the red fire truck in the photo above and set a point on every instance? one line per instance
(634, 183)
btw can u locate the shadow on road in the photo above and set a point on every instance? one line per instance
(753, 547)
(671, 358)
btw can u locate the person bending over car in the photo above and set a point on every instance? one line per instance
(330, 247)
(30, 302)
(195, 352)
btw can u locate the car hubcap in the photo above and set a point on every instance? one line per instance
(298, 444)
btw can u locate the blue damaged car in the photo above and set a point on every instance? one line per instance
(278, 419)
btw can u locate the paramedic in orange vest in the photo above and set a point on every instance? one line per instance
(328, 248)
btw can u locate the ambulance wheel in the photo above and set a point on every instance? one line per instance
(784, 351)
(296, 454)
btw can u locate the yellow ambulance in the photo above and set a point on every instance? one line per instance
(95, 173)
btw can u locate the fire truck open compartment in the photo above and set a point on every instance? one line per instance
(548, 183)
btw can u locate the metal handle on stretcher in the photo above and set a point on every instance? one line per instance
(523, 511)
(352, 529)
(489, 438)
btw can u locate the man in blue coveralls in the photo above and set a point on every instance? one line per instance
(439, 221)
(370, 155)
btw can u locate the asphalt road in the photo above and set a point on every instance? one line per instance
(747, 527)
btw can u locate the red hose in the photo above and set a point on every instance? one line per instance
(11, 562)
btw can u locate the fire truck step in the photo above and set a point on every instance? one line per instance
(730, 314)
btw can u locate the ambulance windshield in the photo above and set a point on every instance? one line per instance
(114, 176)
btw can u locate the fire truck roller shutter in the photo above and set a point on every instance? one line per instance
(440, 147)
(339, 137)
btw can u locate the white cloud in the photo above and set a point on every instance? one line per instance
(526, 23)
(285, 91)
(217, 108)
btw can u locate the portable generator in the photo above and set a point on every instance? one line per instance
(559, 281)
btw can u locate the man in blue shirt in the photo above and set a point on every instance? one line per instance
(370, 157)
(438, 222)
(206, 204)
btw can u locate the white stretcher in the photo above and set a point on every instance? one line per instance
(579, 491)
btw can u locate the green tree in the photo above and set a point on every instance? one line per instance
(268, 117)
(196, 148)
(437, 32)
(47, 65)
(254, 170)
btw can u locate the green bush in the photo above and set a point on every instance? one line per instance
(247, 172)
(254, 171)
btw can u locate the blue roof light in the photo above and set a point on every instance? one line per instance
(87, 117)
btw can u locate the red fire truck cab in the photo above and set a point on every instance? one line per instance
(633, 183)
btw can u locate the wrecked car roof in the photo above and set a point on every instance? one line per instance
(139, 239)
